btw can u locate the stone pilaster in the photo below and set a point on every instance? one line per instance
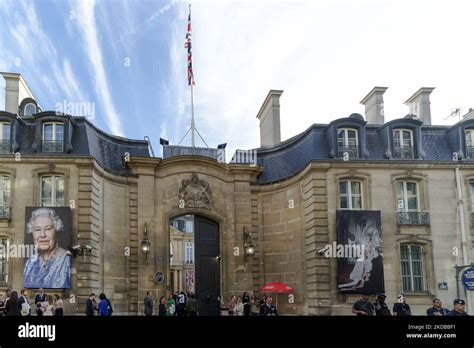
(316, 237)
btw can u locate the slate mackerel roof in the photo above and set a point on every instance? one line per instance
(88, 140)
(289, 157)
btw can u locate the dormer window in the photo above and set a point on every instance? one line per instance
(53, 137)
(30, 109)
(470, 143)
(403, 143)
(5, 137)
(347, 142)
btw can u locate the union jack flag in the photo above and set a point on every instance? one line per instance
(188, 45)
(189, 279)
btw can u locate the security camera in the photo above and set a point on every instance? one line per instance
(77, 250)
(88, 248)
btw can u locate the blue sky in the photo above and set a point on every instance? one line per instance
(128, 58)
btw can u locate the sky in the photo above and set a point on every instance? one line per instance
(127, 59)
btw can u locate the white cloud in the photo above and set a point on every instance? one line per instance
(34, 49)
(88, 29)
(326, 56)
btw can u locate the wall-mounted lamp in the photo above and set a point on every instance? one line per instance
(145, 246)
(249, 246)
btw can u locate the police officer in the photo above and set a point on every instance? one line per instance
(437, 309)
(381, 308)
(363, 306)
(458, 310)
(401, 308)
(268, 308)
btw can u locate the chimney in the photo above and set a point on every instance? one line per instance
(419, 104)
(374, 108)
(16, 90)
(269, 116)
(469, 115)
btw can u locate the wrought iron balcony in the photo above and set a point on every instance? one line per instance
(403, 152)
(413, 218)
(5, 146)
(53, 146)
(351, 150)
(470, 152)
(5, 212)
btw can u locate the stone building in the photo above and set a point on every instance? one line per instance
(286, 194)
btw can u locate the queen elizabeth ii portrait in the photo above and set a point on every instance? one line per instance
(50, 265)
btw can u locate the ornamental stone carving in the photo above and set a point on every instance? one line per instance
(195, 193)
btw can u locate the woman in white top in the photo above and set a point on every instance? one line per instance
(47, 306)
(239, 307)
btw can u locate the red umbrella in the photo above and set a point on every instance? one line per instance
(276, 287)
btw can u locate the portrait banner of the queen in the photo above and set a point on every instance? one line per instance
(48, 230)
(360, 265)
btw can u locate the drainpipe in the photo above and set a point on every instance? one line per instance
(465, 258)
(461, 217)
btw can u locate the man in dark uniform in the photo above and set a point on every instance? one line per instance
(39, 298)
(381, 308)
(363, 306)
(181, 305)
(401, 308)
(437, 309)
(458, 310)
(268, 309)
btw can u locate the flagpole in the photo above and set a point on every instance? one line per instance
(192, 99)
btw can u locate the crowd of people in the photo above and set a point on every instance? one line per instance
(177, 304)
(185, 304)
(250, 306)
(12, 304)
(364, 307)
(101, 308)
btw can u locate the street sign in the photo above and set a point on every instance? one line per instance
(468, 278)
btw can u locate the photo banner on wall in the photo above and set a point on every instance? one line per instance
(359, 235)
(48, 229)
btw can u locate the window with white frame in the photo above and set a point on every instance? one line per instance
(52, 191)
(5, 189)
(53, 137)
(5, 137)
(189, 253)
(471, 191)
(469, 137)
(413, 270)
(407, 196)
(403, 143)
(350, 194)
(347, 141)
(30, 109)
(5, 128)
(3, 260)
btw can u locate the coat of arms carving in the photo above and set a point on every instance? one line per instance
(195, 193)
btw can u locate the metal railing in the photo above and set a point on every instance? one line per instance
(403, 152)
(470, 152)
(351, 150)
(175, 150)
(5, 146)
(413, 218)
(53, 146)
(5, 212)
